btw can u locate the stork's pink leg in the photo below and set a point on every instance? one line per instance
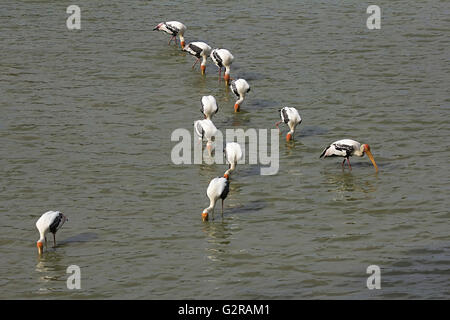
(198, 59)
(170, 40)
(348, 160)
(222, 209)
(343, 163)
(277, 124)
(220, 72)
(54, 240)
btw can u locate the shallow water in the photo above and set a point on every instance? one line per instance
(85, 126)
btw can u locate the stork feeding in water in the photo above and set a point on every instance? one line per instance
(199, 50)
(51, 221)
(205, 129)
(223, 59)
(218, 189)
(291, 117)
(240, 88)
(347, 148)
(209, 106)
(233, 153)
(174, 28)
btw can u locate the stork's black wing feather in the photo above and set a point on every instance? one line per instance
(225, 191)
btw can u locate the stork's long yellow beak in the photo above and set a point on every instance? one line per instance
(369, 154)
(40, 247)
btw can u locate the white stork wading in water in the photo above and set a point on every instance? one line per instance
(240, 88)
(174, 28)
(205, 129)
(223, 59)
(199, 50)
(51, 221)
(218, 189)
(347, 148)
(233, 153)
(209, 106)
(291, 117)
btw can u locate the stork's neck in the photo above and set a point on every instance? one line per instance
(360, 152)
(42, 236)
(227, 69)
(292, 128)
(232, 168)
(212, 203)
(241, 98)
(204, 60)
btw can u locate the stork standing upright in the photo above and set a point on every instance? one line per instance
(233, 153)
(347, 148)
(240, 88)
(199, 50)
(51, 221)
(218, 189)
(223, 59)
(174, 28)
(209, 106)
(292, 118)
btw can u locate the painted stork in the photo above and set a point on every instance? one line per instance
(199, 50)
(205, 129)
(218, 189)
(223, 59)
(174, 28)
(347, 148)
(291, 117)
(51, 221)
(233, 153)
(209, 106)
(240, 88)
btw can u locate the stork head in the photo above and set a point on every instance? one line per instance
(237, 107)
(205, 216)
(203, 68)
(289, 137)
(182, 43)
(366, 149)
(158, 26)
(226, 77)
(40, 246)
(226, 176)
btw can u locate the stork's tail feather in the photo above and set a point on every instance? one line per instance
(323, 153)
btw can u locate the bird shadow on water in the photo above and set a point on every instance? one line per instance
(345, 182)
(250, 206)
(82, 237)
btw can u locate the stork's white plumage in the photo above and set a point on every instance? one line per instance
(209, 106)
(223, 59)
(292, 118)
(218, 189)
(233, 153)
(205, 129)
(347, 148)
(199, 50)
(51, 221)
(174, 28)
(240, 88)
